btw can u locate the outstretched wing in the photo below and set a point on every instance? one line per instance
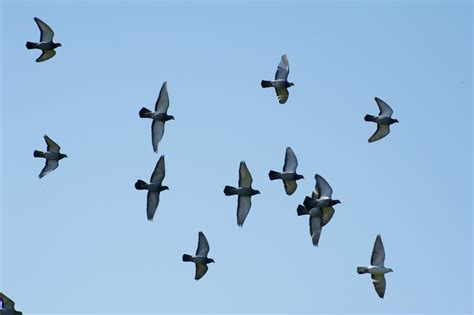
(243, 208)
(324, 187)
(47, 54)
(291, 163)
(157, 131)
(163, 102)
(379, 284)
(290, 186)
(327, 214)
(51, 145)
(201, 270)
(384, 109)
(50, 166)
(381, 132)
(203, 245)
(245, 178)
(378, 253)
(283, 69)
(315, 229)
(159, 172)
(282, 94)
(46, 31)
(152, 201)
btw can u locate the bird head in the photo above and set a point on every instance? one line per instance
(210, 260)
(291, 83)
(299, 177)
(171, 117)
(390, 270)
(56, 45)
(256, 191)
(337, 201)
(395, 120)
(165, 188)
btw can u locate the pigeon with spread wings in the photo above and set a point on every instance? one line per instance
(46, 44)
(52, 156)
(280, 83)
(383, 120)
(289, 175)
(200, 259)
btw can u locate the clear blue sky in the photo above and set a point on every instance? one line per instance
(77, 241)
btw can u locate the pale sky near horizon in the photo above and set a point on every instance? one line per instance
(77, 241)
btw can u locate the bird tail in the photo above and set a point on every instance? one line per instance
(361, 270)
(37, 153)
(309, 202)
(369, 118)
(140, 185)
(274, 175)
(266, 84)
(301, 210)
(229, 190)
(187, 257)
(31, 45)
(143, 112)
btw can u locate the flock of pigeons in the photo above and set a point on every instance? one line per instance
(319, 206)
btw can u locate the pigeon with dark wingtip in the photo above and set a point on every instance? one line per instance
(52, 156)
(200, 259)
(289, 175)
(319, 216)
(280, 83)
(8, 306)
(46, 44)
(383, 120)
(154, 188)
(377, 269)
(244, 191)
(324, 200)
(159, 116)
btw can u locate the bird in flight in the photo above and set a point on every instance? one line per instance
(280, 83)
(200, 259)
(46, 44)
(383, 120)
(52, 156)
(289, 175)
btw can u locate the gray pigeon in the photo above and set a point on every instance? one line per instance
(52, 156)
(244, 191)
(288, 175)
(159, 116)
(8, 306)
(383, 120)
(377, 269)
(280, 83)
(46, 43)
(154, 188)
(200, 259)
(319, 217)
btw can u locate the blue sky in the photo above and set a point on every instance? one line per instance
(77, 241)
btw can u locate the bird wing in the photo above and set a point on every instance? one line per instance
(327, 215)
(163, 102)
(381, 132)
(201, 270)
(51, 145)
(157, 131)
(159, 171)
(283, 69)
(7, 303)
(379, 284)
(203, 245)
(243, 208)
(245, 178)
(47, 54)
(290, 186)
(316, 192)
(152, 201)
(378, 253)
(291, 163)
(324, 187)
(384, 109)
(46, 31)
(282, 94)
(50, 166)
(315, 229)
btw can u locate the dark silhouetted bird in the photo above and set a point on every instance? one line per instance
(377, 269)
(46, 43)
(280, 83)
(244, 191)
(52, 156)
(8, 306)
(159, 116)
(383, 120)
(154, 188)
(319, 217)
(288, 175)
(200, 259)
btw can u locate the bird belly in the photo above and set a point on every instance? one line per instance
(244, 191)
(288, 176)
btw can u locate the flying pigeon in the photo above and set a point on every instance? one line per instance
(46, 43)
(319, 216)
(8, 306)
(154, 187)
(159, 116)
(376, 268)
(52, 156)
(200, 259)
(383, 120)
(280, 83)
(244, 191)
(289, 175)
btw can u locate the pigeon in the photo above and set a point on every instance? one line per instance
(383, 120)
(46, 43)
(244, 191)
(200, 259)
(52, 156)
(289, 175)
(280, 83)
(319, 216)
(8, 306)
(154, 188)
(376, 268)
(159, 116)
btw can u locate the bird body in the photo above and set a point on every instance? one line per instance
(46, 44)
(52, 156)
(280, 83)
(289, 175)
(200, 259)
(383, 120)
